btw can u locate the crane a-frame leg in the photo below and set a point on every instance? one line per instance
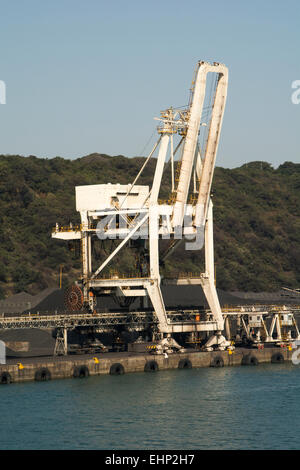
(208, 283)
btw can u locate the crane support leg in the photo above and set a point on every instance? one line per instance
(208, 284)
(61, 342)
(208, 281)
(156, 298)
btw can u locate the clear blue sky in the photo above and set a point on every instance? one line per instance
(89, 76)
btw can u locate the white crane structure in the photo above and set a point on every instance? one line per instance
(129, 212)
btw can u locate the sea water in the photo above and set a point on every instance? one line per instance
(208, 408)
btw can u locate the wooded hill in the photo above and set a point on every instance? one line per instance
(256, 222)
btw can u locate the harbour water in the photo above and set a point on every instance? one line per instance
(225, 408)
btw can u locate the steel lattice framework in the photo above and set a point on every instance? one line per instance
(177, 319)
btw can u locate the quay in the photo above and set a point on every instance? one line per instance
(80, 366)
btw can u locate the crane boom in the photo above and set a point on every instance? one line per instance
(209, 159)
(191, 139)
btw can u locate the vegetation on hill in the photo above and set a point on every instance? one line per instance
(256, 221)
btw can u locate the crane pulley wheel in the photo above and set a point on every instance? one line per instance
(73, 298)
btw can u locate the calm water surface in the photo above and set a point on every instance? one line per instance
(229, 408)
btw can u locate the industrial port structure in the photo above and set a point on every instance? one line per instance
(197, 336)
(133, 214)
(136, 208)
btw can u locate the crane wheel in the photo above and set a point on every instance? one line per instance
(277, 358)
(73, 298)
(151, 366)
(117, 369)
(217, 361)
(42, 375)
(5, 378)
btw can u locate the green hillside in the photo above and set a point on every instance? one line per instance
(256, 222)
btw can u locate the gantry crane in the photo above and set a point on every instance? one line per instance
(126, 212)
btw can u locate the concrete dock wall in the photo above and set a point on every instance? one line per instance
(42, 369)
